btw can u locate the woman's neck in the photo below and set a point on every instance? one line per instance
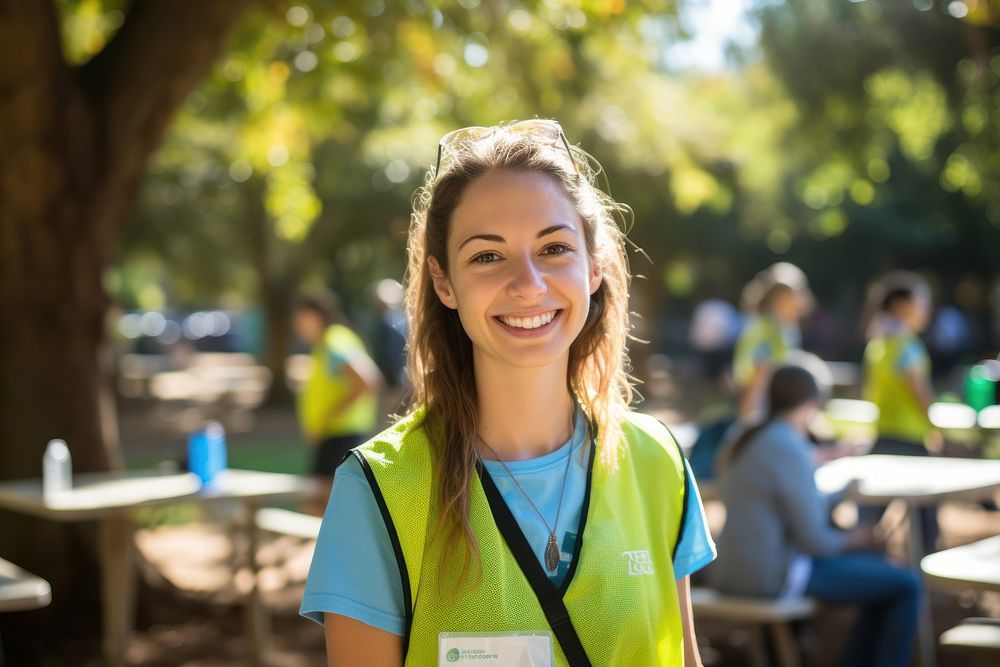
(798, 418)
(524, 413)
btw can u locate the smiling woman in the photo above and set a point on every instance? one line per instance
(521, 497)
(519, 272)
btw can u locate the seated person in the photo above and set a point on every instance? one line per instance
(778, 540)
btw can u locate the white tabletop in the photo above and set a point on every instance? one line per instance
(975, 565)
(919, 480)
(97, 495)
(20, 590)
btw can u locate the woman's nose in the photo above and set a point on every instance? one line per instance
(527, 280)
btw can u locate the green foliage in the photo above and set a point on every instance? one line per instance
(859, 130)
(890, 78)
(322, 120)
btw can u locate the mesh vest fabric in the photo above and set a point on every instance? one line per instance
(323, 389)
(622, 596)
(900, 414)
(760, 330)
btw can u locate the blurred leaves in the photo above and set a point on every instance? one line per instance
(864, 129)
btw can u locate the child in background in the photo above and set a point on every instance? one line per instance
(337, 405)
(897, 372)
(779, 297)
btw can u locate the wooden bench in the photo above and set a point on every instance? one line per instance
(287, 522)
(21, 590)
(773, 616)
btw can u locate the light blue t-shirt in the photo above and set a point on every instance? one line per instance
(354, 570)
(913, 355)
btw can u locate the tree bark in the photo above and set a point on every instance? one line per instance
(74, 146)
(275, 290)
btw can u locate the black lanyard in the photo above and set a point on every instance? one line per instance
(549, 596)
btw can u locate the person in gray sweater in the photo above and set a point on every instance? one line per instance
(778, 540)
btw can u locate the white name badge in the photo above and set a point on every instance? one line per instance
(511, 649)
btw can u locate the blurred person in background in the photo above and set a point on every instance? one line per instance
(779, 297)
(715, 326)
(778, 540)
(338, 402)
(897, 372)
(388, 344)
(949, 338)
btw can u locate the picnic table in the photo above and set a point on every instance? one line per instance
(975, 565)
(112, 498)
(20, 590)
(918, 482)
(971, 566)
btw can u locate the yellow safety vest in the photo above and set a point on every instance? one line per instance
(900, 414)
(762, 329)
(323, 389)
(620, 592)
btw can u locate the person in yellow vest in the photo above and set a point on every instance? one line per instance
(337, 404)
(897, 372)
(520, 513)
(778, 296)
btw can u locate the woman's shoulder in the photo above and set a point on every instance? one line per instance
(781, 440)
(646, 436)
(404, 443)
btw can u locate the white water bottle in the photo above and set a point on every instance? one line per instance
(57, 469)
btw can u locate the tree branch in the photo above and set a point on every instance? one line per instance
(30, 49)
(138, 81)
(156, 58)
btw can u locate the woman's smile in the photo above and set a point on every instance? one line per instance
(529, 326)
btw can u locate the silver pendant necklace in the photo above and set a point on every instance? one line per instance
(552, 553)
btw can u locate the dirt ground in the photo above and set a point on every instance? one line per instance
(205, 562)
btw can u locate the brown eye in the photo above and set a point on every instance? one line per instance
(556, 249)
(487, 257)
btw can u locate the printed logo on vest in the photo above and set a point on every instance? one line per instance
(452, 655)
(639, 562)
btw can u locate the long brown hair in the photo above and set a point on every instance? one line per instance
(440, 360)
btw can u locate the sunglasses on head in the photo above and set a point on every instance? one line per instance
(537, 127)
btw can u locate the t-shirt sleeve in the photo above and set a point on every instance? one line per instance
(696, 548)
(911, 358)
(762, 352)
(335, 360)
(354, 571)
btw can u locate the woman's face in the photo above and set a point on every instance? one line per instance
(308, 325)
(915, 312)
(788, 307)
(520, 274)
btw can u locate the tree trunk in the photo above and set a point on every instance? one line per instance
(273, 291)
(74, 145)
(277, 342)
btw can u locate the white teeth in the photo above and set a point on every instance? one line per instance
(529, 322)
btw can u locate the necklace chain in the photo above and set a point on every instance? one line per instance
(551, 551)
